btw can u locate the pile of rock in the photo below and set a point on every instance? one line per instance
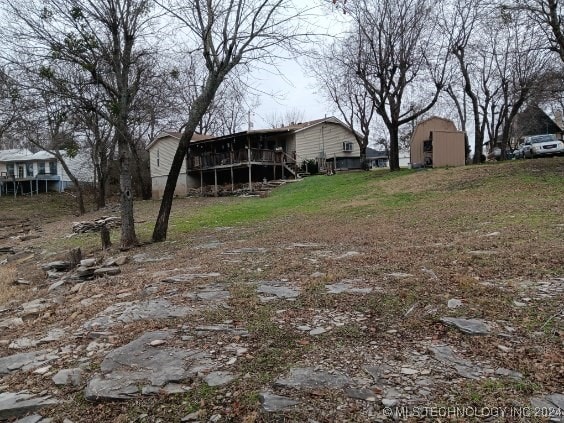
(87, 269)
(96, 225)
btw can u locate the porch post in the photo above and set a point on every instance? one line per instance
(31, 187)
(201, 181)
(215, 181)
(231, 168)
(249, 157)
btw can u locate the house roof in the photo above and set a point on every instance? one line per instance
(372, 153)
(534, 121)
(163, 134)
(24, 155)
(14, 154)
(294, 127)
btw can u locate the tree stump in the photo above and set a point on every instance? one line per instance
(105, 236)
(75, 256)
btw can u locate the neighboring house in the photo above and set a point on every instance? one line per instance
(254, 155)
(376, 158)
(533, 121)
(24, 172)
(436, 143)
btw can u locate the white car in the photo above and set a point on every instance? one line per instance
(542, 145)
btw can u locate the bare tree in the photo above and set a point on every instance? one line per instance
(100, 141)
(346, 91)
(400, 60)
(288, 117)
(500, 61)
(9, 94)
(521, 64)
(548, 15)
(49, 125)
(228, 34)
(101, 39)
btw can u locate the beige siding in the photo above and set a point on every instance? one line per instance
(326, 137)
(164, 148)
(448, 143)
(290, 144)
(448, 149)
(185, 182)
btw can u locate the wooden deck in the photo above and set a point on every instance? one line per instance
(229, 159)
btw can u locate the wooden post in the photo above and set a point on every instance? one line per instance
(75, 256)
(231, 167)
(215, 181)
(105, 237)
(201, 182)
(31, 187)
(249, 158)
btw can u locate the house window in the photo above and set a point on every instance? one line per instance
(53, 168)
(29, 169)
(347, 146)
(41, 168)
(158, 158)
(10, 169)
(20, 171)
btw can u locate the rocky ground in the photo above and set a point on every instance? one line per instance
(436, 312)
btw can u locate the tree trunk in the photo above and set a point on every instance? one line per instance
(128, 237)
(394, 147)
(199, 107)
(74, 180)
(363, 162)
(161, 226)
(146, 193)
(478, 142)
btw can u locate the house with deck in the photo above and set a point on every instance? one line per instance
(25, 172)
(254, 155)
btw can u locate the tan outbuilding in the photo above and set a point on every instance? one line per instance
(437, 143)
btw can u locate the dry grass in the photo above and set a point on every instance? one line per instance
(420, 223)
(8, 291)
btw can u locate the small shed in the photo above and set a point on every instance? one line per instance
(436, 143)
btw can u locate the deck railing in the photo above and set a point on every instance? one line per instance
(258, 155)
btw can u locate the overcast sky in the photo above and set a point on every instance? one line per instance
(291, 87)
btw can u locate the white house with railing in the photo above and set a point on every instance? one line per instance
(24, 172)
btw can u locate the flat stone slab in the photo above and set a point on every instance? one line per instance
(273, 403)
(187, 277)
(11, 322)
(363, 394)
(25, 342)
(251, 250)
(139, 367)
(234, 331)
(277, 290)
(34, 308)
(463, 367)
(399, 275)
(17, 404)
(107, 271)
(68, 377)
(310, 378)
(145, 258)
(26, 361)
(454, 303)
(468, 326)
(128, 312)
(466, 368)
(219, 378)
(347, 288)
(210, 293)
